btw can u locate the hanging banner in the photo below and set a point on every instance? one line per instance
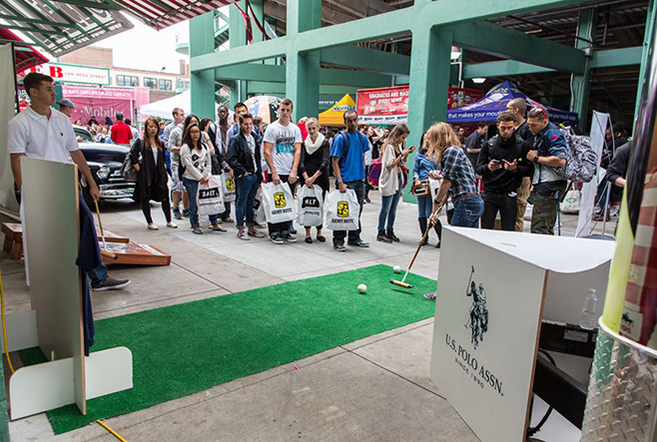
(100, 102)
(590, 189)
(389, 105)
(8, 203)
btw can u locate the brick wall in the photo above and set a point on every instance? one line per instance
(90, 56)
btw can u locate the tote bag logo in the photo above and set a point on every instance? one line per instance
(343, 209)
(279, 200)
(230, 184)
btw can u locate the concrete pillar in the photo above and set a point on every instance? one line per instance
(579, 100)
(429, 85)
(302, 69)
(201, 41)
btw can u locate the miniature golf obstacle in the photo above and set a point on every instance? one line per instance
(56, 322)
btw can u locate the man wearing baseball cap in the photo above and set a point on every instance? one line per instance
(66, 107)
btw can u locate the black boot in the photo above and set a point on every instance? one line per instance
(391, 234)
(423, 229)
(438, 227)
(383, 237)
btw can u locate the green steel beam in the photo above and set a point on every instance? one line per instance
(616, 57)
(201, 41)
(367, 59)
(501, 69)
(580, 85)
(424, 14)
(651, 18)
(302, 71)
(103, 4)
(33, 21)
(265, 88)
(506, 43)
(237, 36)
(34, 30)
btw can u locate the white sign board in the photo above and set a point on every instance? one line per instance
(71, 73)
(492, 289)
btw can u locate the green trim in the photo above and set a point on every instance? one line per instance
(501, 69)
(616, 57)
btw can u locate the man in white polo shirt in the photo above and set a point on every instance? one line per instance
(42, 132)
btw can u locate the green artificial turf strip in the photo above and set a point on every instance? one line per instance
(183, 349)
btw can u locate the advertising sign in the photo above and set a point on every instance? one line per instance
(100, 103)
(389, 105)
(71, 73)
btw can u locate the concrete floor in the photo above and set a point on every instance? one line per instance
(376, 389)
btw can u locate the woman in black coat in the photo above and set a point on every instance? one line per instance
(314, 166)
(148, 159)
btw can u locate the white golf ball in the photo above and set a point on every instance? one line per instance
(397, 269)
(362, 288)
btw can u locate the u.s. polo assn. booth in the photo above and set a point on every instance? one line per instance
(496, 290)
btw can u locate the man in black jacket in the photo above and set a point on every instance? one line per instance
(243, 157)
(502, 163)
(617, 171)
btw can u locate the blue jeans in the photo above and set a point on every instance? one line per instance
(389, 208)
(424, 207)
(192, 189)
(467, 211)
(354, 235)
(246, 191)
(98, 275)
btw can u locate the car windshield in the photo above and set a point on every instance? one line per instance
(83, 136)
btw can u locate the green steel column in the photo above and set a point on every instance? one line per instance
(238, 38)
(302, 69)
(429, 85)
(201, 41)
(580, 84)
(650, 22)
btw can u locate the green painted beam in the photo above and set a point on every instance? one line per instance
(427, 14)
(201, 41)
(506, 43)
(265, 88)
(103, 4)
(34, 30)
(237, 35)
(651, 21)
(581, 84)
(616, 57)
(34, 21)
(501, 69)
(367, 59)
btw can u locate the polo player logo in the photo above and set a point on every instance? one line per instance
(279, 200)
(478, 316)
(343, 209)
(230, 184)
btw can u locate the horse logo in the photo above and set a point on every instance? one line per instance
(478, 315)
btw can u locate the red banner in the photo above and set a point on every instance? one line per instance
(389, 105)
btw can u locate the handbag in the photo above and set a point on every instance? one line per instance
(128, 171)
(422, 189)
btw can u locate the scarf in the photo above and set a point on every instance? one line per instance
(311, 147)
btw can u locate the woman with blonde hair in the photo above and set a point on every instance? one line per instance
(314, 166)
(148, 159)
(393, 153)
(458, 176)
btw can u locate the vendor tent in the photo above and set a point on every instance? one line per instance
(164, 107)
(333, 116)
(495, 101)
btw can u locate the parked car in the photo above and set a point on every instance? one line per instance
(105, 161)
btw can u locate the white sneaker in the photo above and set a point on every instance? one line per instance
(152, 226)
(172, 225)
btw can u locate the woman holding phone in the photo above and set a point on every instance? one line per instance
(393, 154)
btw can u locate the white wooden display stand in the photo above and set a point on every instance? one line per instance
(52, 234)
(494, 288)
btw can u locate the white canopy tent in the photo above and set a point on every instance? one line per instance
(163, 108)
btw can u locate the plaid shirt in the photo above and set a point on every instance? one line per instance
(456, 169)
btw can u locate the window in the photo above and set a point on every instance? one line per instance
(165, 85)
(150, 82)
(126, 80)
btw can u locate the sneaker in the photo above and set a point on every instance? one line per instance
(172, 225)
(111, 283)
(177, 214)
(276, 239)
(289, 238)
(152, 226)
(359, 243)
(185, 213)
(243, 236)
(228, 220)
(293, 231)
(339, 247)
(255, 234)
(430, 296)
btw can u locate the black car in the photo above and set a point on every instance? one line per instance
(105, 161)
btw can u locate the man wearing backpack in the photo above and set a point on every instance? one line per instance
(549, 152)
(348, 158)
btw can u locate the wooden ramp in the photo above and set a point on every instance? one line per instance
(136, 254)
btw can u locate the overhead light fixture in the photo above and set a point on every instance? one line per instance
(478, 80)
(455, 54)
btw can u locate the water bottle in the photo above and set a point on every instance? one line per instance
(589, 317)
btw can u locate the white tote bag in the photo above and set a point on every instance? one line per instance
(278, 202)
(228, 187)
(342, 210)
(209, 198)
(259, 208)
(571, 202)
(310, 206)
